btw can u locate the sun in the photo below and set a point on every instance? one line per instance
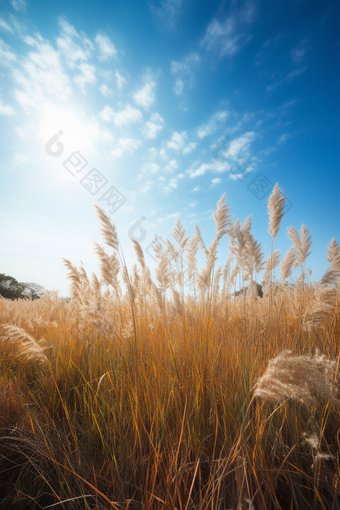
(78, 132)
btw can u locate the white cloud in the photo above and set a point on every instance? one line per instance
(73, 52)
(197, 188)
(216, 181)
(185, 66)
(235, 177)
(227, 37)
(107, 113)
(122, 118)
(155, 117)
(178, 88)
(171, 166)
(189, 148)
(205, 167)
(106, 47)
(214, 123)
(184, 70)
(5, 26)
(151, 168)
(162, 153)
(125, 145)
(298, 54)
(104, 89)
(151, 128)
(172, 184)
(145, 97)
(180, 176)
(283, 137)
(153, 151)
(240, 146)
(168, 12)
(290, 76)
(192, 204)
(147, 186)
(6, 110)
(120, 81)
(41, 77)
(18, 4)
(6, 56)
(127, 116)
(87, 76)
(177, 141)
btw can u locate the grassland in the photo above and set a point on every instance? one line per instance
(140, 393)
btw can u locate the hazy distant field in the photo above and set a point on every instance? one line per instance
(147, 392)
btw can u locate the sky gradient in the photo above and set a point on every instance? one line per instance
(171, 103)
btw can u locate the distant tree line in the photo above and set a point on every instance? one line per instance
(10, 288)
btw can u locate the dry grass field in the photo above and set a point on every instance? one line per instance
(142, 393)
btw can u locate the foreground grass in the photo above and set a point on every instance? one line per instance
(139, 395)
(163, 420)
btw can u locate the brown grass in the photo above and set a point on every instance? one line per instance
(162, 396)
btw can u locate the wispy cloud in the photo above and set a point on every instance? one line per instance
(120, 81)
(298, 54)
(76, 48)
(241, 145)
(5, 26)
(284, 137)
(19, 4)
(104, 89)
(41, 76)
(189, 148)
(226, 37)
(125, 145)
(106, 47)
(177, 141)
(155, 125)
(213, 124)
(145, 96)
(6, 55)
(87, 76)
(168, 12)
(178, 87)
(216, 181)
(184, 70)
(172, 184)
(6, 109)
(290, 76)
(126, 116)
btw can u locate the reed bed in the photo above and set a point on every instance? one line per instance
(186, 390)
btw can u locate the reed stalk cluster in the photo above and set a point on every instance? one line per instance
(181, 387)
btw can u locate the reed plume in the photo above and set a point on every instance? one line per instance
(276, 203)
(28, 347)
(299, 377)
(287, 264)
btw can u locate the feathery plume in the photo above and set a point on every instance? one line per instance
(333, 254)
(299, 377)
(302, 244)
(222, 218)
(108, 229)
(139, 253)
(271, 264)
(28, 346)
(287, 264)
(276, 203)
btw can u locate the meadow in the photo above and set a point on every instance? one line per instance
(145, 393)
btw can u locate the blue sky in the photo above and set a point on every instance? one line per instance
(144, 91)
